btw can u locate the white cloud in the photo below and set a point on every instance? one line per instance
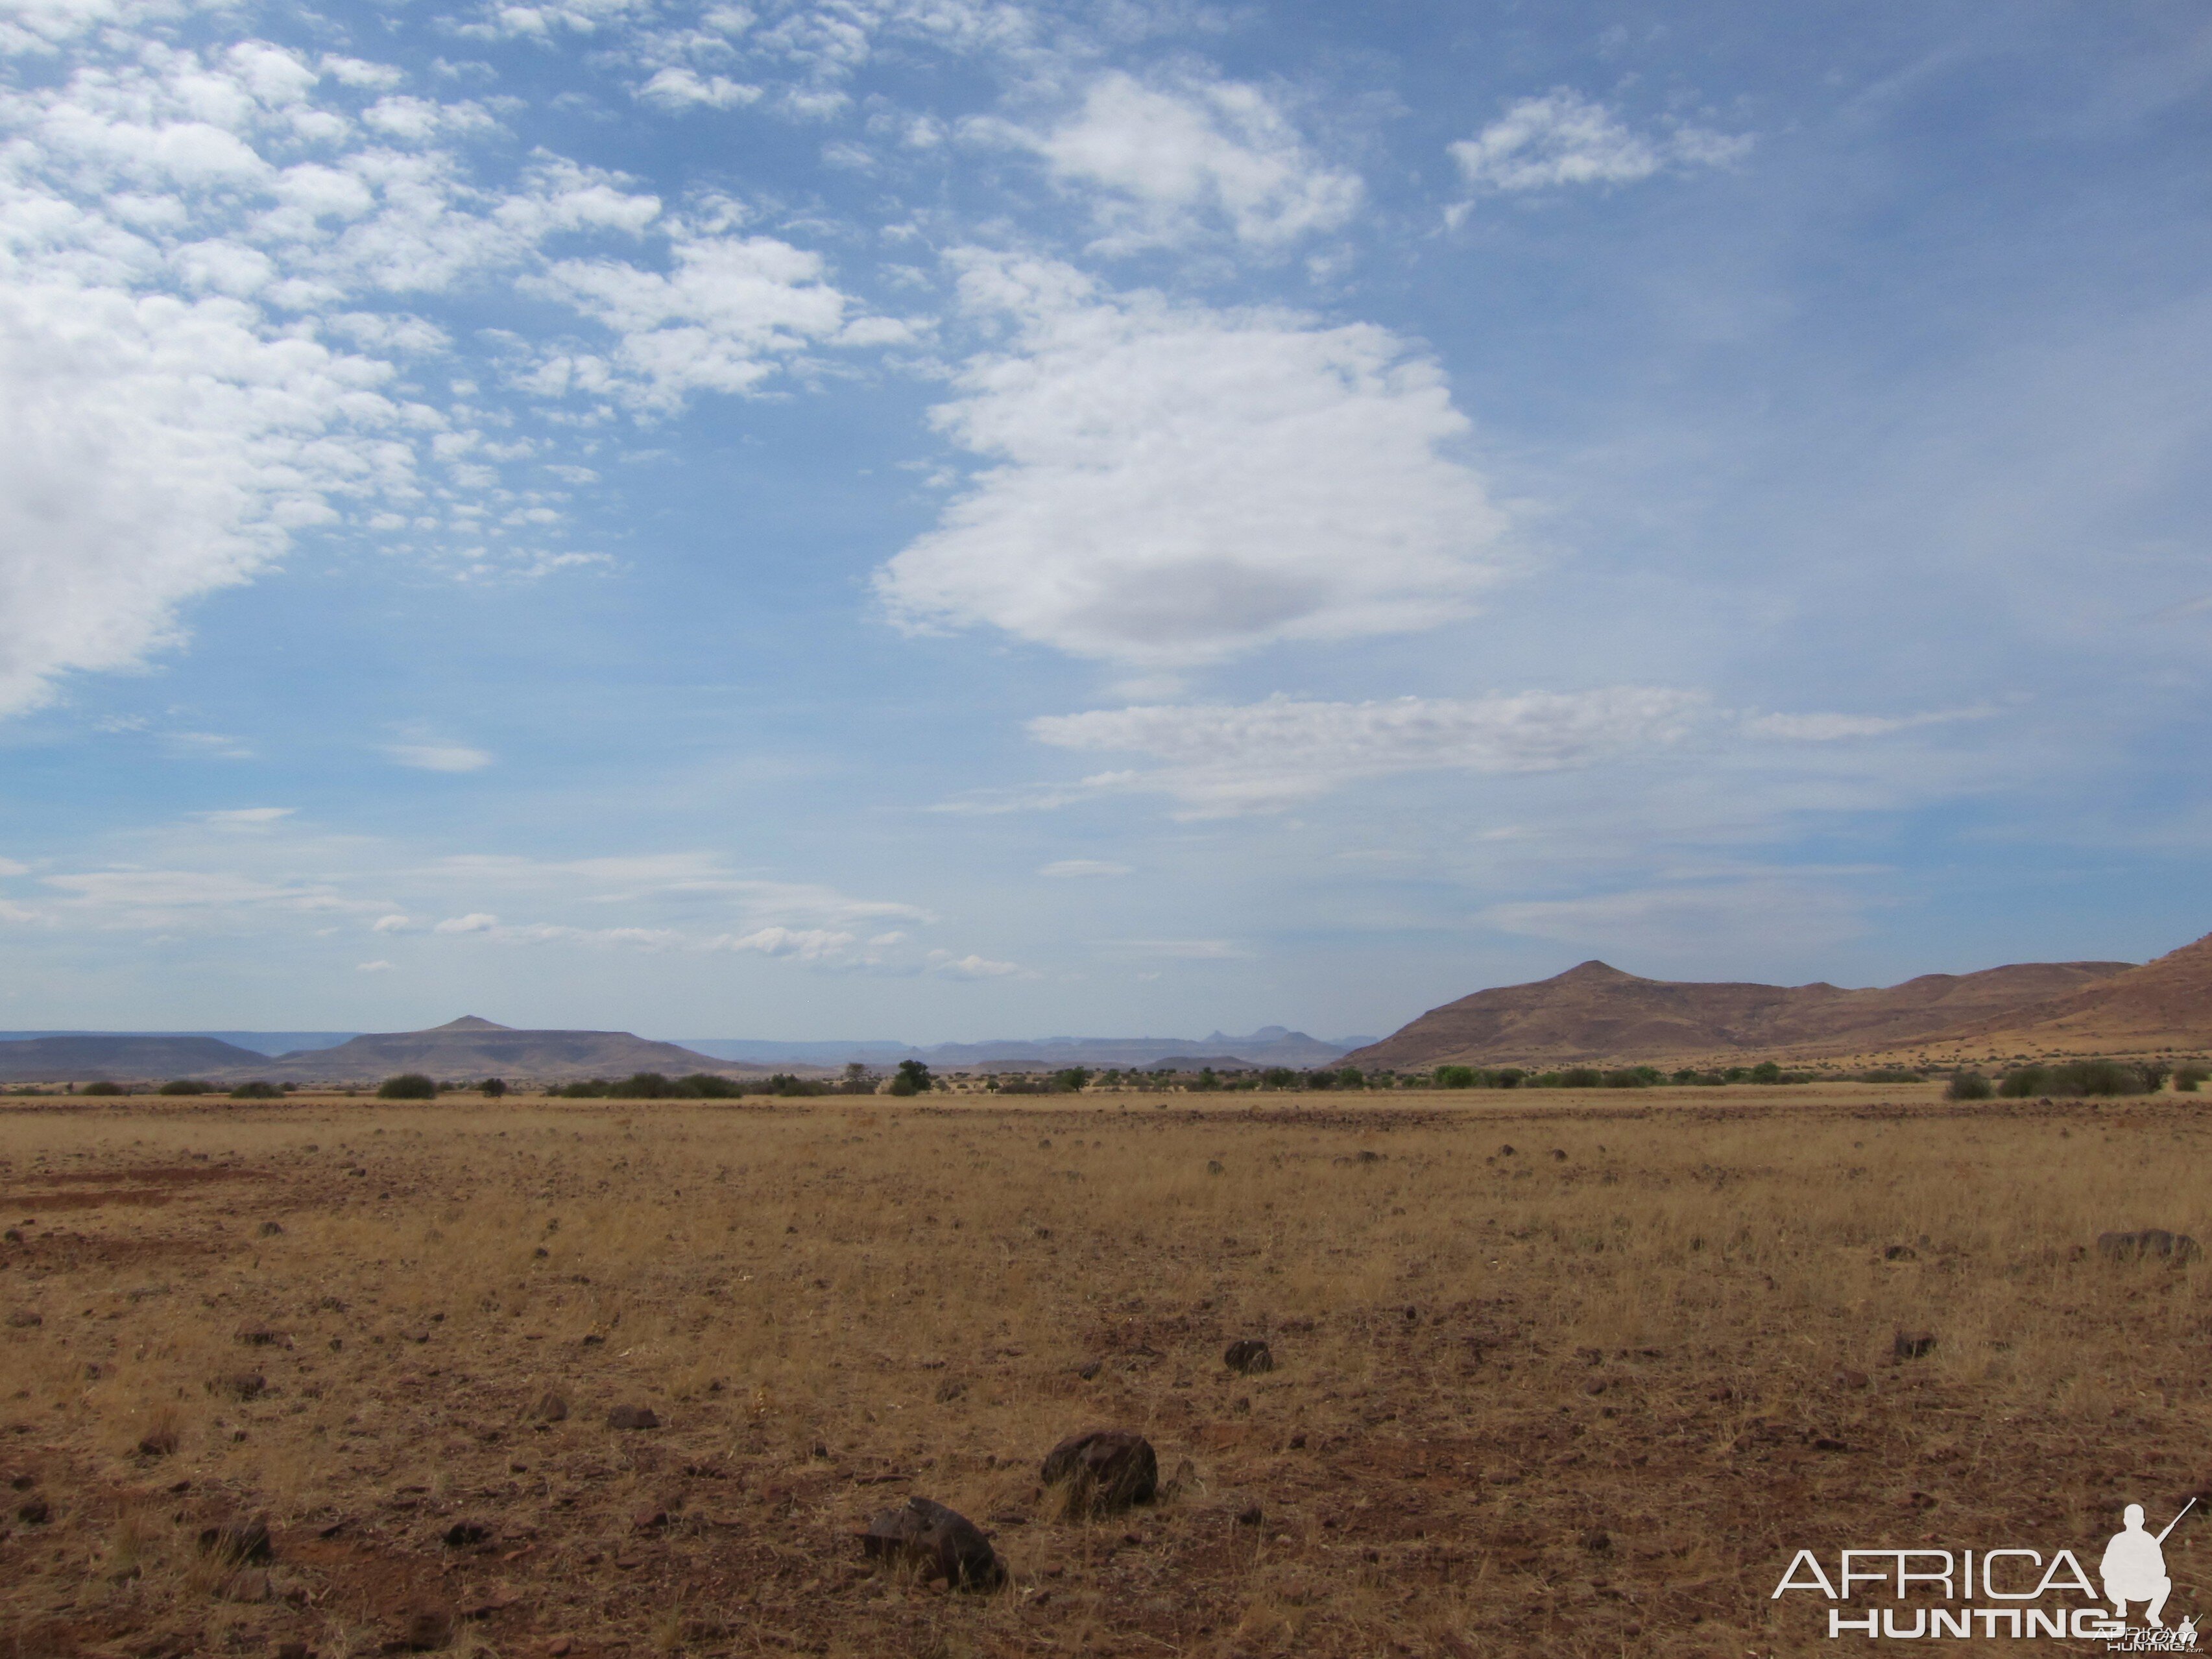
(1169, 160)
(379, 966)
(439, 756)
(1225, 758)
(1173, 484)
(1829, 728)
(971, 966)
(676, 87)
(807, 943)
(10, 867)
(391, 924)
(477, 921)
(244, 817)
(1563, 138)
(725, 316)
(133, 898)
(1073, 868)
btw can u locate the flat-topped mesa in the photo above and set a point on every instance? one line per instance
(471, 1022)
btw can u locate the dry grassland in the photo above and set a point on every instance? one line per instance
(1586, 1397)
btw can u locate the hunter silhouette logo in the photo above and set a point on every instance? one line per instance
(2006, 1593)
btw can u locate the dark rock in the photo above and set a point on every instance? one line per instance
(651, 1518)
(294, 1651)
(1251, 1516)
(1249, 1356)
(941, 1542)
(550, 1408)
(1597, 1540)
(272, 1228)
(632, 1417)
(426, 1625)
(34, 1511)
(950, 1390)
(2177, 1249)
(241, 1385)
(1913, 1345)
(1506, 1150)
(462, 1534)
(1900, 1253)
(24, 1320)
(1213, 1166)
(240, 1541)
(158, 1442)
(257, 1336)
(1848, 1378)
(1104, 1469)
(1090, 1370)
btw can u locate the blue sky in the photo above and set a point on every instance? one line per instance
(941, 519)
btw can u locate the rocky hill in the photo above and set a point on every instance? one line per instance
(117, 1059)
(2165, 1005)
(1595, 1013)
(473, 1047)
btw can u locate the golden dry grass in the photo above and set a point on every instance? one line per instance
(1578, 1404)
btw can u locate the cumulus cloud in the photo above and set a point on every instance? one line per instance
(676, 87)
(1563, 138)
(1163, 163)
(1174, 484)
(1226, 758)
(477, 921)
(206, 258)
(379, 966)
(1069, 869)
(439, 756)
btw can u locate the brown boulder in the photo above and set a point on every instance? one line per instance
(1104, 1469)
(941, 1542)
(1249, 1356)
(632, 1417)
(426, 1625)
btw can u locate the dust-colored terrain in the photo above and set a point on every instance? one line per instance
(1569, 1376)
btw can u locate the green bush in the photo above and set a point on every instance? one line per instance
(185, 1086)
(257, 1089)
(1632, 1077)
(1071, 1079)
(2022, 1081)
(1888, 1074)
(492, 1087)
(1205, 1079)
(1967, 1085)
(2095, 1076)
(103, 1086)
(1580, 1077)
(1350, 1077)
(1456, 1077)
(1766, 1071)
(788, 1083)
(2190, 1076)
(408, 1085)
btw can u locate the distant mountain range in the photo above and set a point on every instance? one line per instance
(1271, 1045)
(474, 1048)
(1596, 1014)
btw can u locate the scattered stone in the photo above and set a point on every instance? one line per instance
(1913, 1345)
(651, 1518)
(34, 1511)
(13, 1235)
(632, 1417)
(1248, 1356)
(272, 1228)
(294, 1651)
(1251, 1516)
(1597, 1540)
(241, 1385)
(1900, 1253)
(950, 1390)
(240, 1541)
(257, 1336)
(1848, 1378)
(550, 1408)
(427, 1626)
(942, 1542)
(2177, 1249)
(1213, 1166)
(1506, 1150)
(462, 1534)
(1089, 1370)
(560, 1647)
(1104, 1469)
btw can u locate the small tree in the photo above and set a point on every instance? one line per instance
(183, 1085)
(408, 1085)
(2190, 1077)
(1967, 1084)
(492, 1088)
(1456, 1077)
(912, 1078)
(104, 1086)
(257, 1089)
